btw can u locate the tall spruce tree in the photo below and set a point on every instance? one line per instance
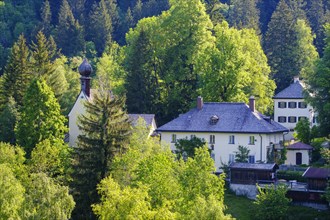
(142, 81)
(100, 26)
(40, 117)
(46, 18)
(244, 14)
(69, 33)
(105, 130)
(281, 42)
(8, 118)
(17, 75)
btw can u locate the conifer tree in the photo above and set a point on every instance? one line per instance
(40, 117)
(105, 129)
(8, 118)
(69, 35)
(46, 18)
(17, 74)
(100, 27)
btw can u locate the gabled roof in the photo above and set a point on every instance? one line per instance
(317, 173)
(149, 118)
(232, 118)
(254, 166)
(299, 146)
(294, 91)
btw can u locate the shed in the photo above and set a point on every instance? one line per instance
(317, 178)
(251, 173)
(298, 153)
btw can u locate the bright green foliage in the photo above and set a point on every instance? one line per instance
(319, 86)
(244, 14)
(14, 157)
(52, 158)
(40, 117)
(118, 203)
(11, 193)
(69, 33)
(303, 131)
(105, 133)
(109, 70)
(272, 203)
(8, 118)
(46, 199)
(168, 188)
(325, 153)
(242, 154)
(216, 10)
(236, 68)
(17, 75)
(186, 148)
(100, 26)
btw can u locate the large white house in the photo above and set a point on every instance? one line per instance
(290, 107)
(86, 95)
(225, 126)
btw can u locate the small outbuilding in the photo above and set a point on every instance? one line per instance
(317, 178)
(251, 173)
(298, 153)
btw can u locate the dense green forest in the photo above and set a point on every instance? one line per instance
(156, 56)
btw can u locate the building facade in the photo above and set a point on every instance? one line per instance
(225, 126)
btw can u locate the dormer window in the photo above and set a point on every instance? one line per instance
(214, 119)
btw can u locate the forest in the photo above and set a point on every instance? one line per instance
(156, 57)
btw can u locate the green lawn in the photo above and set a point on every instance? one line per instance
(242, 208)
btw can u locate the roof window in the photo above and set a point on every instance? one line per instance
(214, 119)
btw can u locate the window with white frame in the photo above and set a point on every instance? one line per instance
(212, 139)
(302, 105)
(173, 138)
(292, 104)
(231, 139)
(251, 159)
(292, 119)
(231, 158)
(281, 119)
(314, 119)
(251, 140)
(282, 104)
(302, 118)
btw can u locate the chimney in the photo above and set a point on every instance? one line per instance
(295, 79)
(85, 70)
(252, 104)
(199, 102)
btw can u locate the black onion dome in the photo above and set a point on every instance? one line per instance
(85, 69)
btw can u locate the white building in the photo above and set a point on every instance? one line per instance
(290, 107)
(225, 126)
(86, 95)
(298, 153)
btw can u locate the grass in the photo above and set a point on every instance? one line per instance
(243, 208)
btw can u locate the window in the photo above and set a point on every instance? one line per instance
(251, 140)
(314, 119)
(213, 156)
(282, 104)
(231, 158)
(302, 105)
(251, 159)
(212, 139)
(301, 118)
(231, 139)
(282, 119)
(292, 119)
(292, 104)
(173, 138)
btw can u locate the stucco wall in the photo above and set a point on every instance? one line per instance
(291, 157)
(222, 148)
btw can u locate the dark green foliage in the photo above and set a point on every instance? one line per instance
(40, 117)
(143, 93)
(17, 74)
(271, 203)
(46, 18)
(69, 33)
(319, 86)
(8, 118)
(186, 148)
(242, 154)
(291, 175)
(105, 130)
